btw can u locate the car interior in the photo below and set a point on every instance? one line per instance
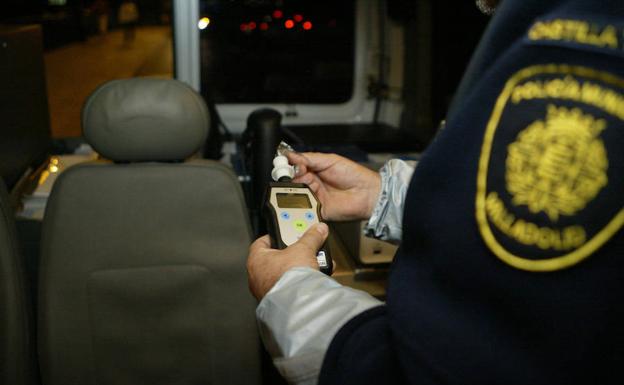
(123, 248)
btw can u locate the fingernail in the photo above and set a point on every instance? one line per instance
(322, 228)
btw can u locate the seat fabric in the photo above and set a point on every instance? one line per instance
(143, 277)
(17, 353)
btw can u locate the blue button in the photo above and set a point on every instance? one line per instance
(285, 215)
(309, 216)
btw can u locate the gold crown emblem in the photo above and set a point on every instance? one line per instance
(558, 165)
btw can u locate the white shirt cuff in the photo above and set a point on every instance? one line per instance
(386, 222)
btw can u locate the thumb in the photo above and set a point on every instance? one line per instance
(298, 160)
(296, 157)
(313, 238)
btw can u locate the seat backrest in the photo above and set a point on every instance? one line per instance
(17, 358)
(143, 263)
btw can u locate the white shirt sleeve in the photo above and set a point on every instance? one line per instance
(386, 222)
(299, 317)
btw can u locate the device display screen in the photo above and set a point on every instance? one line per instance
(293, 201)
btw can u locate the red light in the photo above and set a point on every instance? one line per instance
(243, 27)
(298, 18)
(277, 14)
(289, 24)
(264, 26)
(307, 25)
(252, 25)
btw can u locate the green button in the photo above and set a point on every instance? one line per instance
(300, 225)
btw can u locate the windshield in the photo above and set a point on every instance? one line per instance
(299, 51)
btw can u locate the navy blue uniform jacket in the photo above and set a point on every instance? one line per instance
(511, 269)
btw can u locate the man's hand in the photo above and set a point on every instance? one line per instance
(265, 265)
(347, 190)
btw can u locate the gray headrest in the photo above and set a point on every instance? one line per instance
(145, 120)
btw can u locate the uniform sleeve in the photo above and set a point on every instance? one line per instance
(299, 317)
(363, 352)
(386, 222)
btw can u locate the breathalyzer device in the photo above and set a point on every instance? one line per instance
(290, 209)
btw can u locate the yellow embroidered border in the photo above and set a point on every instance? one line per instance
(556, 263)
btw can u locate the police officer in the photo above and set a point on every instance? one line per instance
(510, 267)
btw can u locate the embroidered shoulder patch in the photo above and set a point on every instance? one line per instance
(551, 173)
(578, 33)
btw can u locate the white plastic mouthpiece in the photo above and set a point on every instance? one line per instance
(281, 168)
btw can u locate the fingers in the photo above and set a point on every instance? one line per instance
(318, 161)
(306, 178)
(312, 180)
(313, 238)
(313, 161)
(298, 160)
